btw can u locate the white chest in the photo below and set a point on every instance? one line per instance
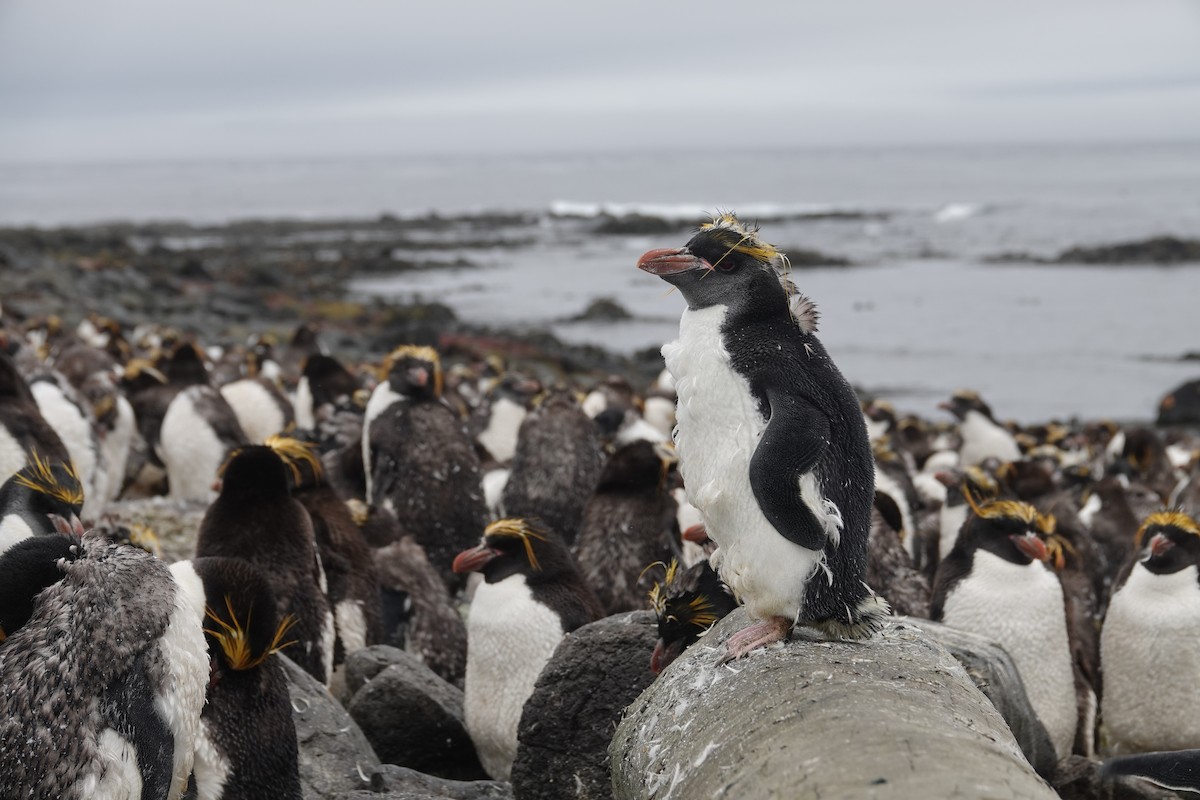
(77, 436)
(718, 427)
(500, 435)
(382, 398)
(256, 409)
(12, 457)
(13, 529)
(1021, 608)
(1150, 658)
(303, 404)
(983, 439)
(510, 637)
(189, 447)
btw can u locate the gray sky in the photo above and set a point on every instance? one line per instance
(116, 79)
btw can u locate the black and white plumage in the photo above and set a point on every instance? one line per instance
(628, 522)
(28, 498)
(497, 419)
(420, 463)
(104, 683)
(261, 408)
(531, 596)
(324, 384)
(72, 419)
(982, 436)
(556, 465)
(1150, 642)
(996, 582)
(199, 429)
(23, 429)
(256, 519)
(687, 601)
(246, 747)
(771, 440)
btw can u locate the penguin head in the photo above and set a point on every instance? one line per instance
(303, 465)
(26, 568)
(141, 374)
(328, 380)
(1010, 529)
(725, 263)
(639, 464)
(241, 623)
(959, 482)
(414, 372)
(186, 366)
(1168, 541)
(517, 546)
(687, 603)
(256, 473)
(963, 402)
(40, 489)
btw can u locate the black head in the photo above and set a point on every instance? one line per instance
(414, 371)
(637, 465)
(304, 468)
(1169, 541)
(520, 390)
(140, 375)
(725, 263)
(41, 488)
(26, 568)
(328, 380)
(973, 479)
(518, 546)
(186, 366)
(965, 400)
(255, 472)
(1009, 529)
(687, 603)
(241, 623)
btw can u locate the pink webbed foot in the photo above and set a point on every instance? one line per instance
(760, 634)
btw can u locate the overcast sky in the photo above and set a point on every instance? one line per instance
(118, 79)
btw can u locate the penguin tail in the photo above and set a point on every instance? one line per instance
(860, 622)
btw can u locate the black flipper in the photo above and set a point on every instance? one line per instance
(1177, 770)
(796, 436)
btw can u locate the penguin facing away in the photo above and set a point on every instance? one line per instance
(1150, 641)
(246, 747)
(996, 582)
(772, 444)
(532, 596)
(104, 683)
(255, 518)
(28, 498)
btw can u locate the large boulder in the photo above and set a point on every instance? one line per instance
(812, 718)
(335, 757)
(412, 717)
(569, 719)
(1181, 406)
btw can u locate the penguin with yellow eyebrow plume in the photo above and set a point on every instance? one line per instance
(771, 440)
(246, 746)
(30, 498)
(419, 460)
(255, 518)
(531, 596)
(353, 588)
(1150, 641)
(996, 581)
(687, 603)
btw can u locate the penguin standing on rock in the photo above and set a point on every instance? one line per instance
(103, 683)
(772, 444)
(1150, 642)
(256, 519)
(532, 596)
(246, 747)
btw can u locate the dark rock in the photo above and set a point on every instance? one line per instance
(569, 719)
(1181, 406)
(801, 257)
(335, 757)
(639, 225)
(367, 662)
(1157, 250)
(993, 672)
(817, 718)
(1079, 778)
(415, 719)
(602, 309)
(391, 778)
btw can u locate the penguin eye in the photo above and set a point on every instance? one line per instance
(728, 265)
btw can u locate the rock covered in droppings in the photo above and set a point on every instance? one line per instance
(895, 715)
(413, 718)
(993, 672)
(390, 779)
(569, 719)
(174, 522)
(335, 757)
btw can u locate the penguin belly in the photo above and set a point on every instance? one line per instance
(510, 638)
(983, 439)
(256, 409)
(78, 437)
(500, 435)
(1021, 608)
(1150, 655)
(115, 449)
(182, 698)
(718, 429)
(189, 447)
(950, 522)
(13, 529)
(12, 455)
(382, 398)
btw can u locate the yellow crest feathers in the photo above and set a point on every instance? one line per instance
(234, 640)
(294, 452)
(996, 509)
(415, 351)
(740, 238)
(1167, 519)
(517, 528)
(39, 476)
(657, 594)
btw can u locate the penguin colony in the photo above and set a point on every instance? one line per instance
(475, 513)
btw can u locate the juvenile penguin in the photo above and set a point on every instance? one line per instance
(256, 519)
(419, 461)
(629, 522)
(996, 582)
(772, 444)
(532, 596)
(687, 601)
(28, 498)
(103, 684)
(246, 747)
(1150, 642)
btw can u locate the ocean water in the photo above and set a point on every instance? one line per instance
(922, 311)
